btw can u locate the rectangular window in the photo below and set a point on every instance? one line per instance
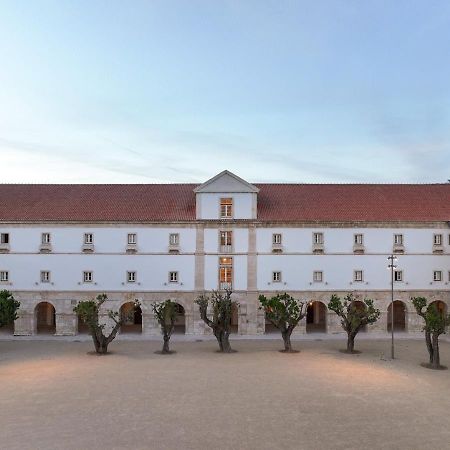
(131, 277)
(45, 276)
(226, 240)
(358, 275)
(225, 272)
(276, 277)
(88, 238)
(437, 239)
(317, 276)
(45, 238)
(4, 238)
(276, 238)
(358, 239)
(88, 277)
(398, 275)
(318, 238)
(226, 207)
(437, 275)
(132, 238)
(398, 239)
(174, 238)
(4, 275)
(173, 277)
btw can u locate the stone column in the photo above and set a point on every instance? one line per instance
(255, 323)
(150, 326)
(199, 282)
(25, 324)
(300, 329)
(66, 324)
(334, 323)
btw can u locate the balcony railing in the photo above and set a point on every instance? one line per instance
(226, 249)
(225, 285)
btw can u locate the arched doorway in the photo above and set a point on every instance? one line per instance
(45, 317)
(180, 321)
(131, 314)
(234, 318)
(316, 318)
(399, 316)
(360, 307)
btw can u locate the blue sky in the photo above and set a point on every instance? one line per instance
(176, 91)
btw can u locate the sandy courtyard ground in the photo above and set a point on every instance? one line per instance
(53, 395)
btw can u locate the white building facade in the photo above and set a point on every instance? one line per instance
(61, 244)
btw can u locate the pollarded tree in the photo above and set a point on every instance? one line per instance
(166, 314)
(284, 312)
(353, 318)
(88, 312)
(8, 308)
(221, 305)
(435, 324)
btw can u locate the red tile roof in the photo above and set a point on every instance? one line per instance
(176, 202)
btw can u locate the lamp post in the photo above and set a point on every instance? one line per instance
(392, 259)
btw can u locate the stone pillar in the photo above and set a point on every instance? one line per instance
(66, 324)
(251, 260)
(334, 323)
(414, 323)
(300, 329)
(260, 321)
(25, 324)
(199, 281)
(150, 326)
(189, 323)
(242, 319)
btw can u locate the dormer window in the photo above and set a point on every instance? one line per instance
(226, 208)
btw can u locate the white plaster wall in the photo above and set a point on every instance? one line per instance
(240, 239)
(340, 240)
(297, 272)
(106, 239)
(109, 272)
(209, 205)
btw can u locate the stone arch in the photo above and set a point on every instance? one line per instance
(360, 306)
(441, 306)
(316, 317)
(132, 314)
(45, 318)
(400, 312)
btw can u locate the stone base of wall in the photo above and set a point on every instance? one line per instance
(251, 320)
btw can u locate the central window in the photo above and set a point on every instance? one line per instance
(225, 272)
(226, 241)
(131, 277)
(87, 277)
(88, 238)
(226, 208)
(45, 276)
(131, 238)
(45, 238)
(174, 239)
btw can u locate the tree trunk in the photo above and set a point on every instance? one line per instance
(165, 348)
(436, 361)
(350, 342)
(287, 341)
(429, 345)
(223, 338)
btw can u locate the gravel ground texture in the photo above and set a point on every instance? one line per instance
(55, 395)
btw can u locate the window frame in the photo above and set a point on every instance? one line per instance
(45, 279)
(398, 276)
(355, 239)
(4, 279)
(173, 279)
(401, 238)
(355, 278)
(437, 237)
(276, 276)
(4, 238)
(88, 241)
(316, 278)
(131, 238)
(131, 276)
(85, 276)
(45, 241)
(435, 272)
(320, 236)
(275, 240)
(174, 239)
(226, 209)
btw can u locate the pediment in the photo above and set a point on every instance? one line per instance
(226, 182)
